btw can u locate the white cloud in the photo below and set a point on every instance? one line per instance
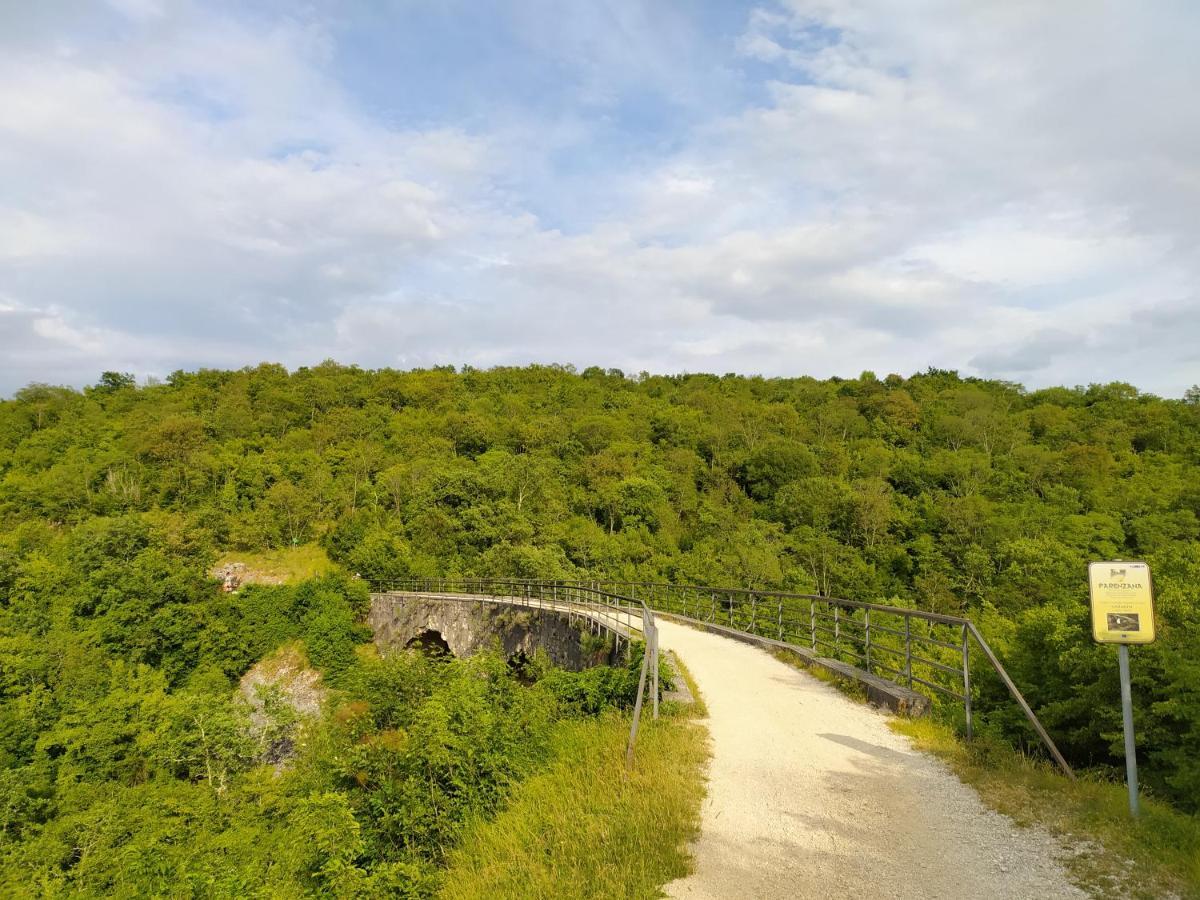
(124, 204)
(79, 351)
(138, 9)
(993, 187)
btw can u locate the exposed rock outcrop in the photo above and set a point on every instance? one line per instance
(283, 692)
(233, 575)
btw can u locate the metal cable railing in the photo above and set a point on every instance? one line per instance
(620, 616)
(906, 646)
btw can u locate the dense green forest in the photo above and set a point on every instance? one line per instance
(936, 491)
(130, 769)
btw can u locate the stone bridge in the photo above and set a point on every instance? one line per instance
(572, 638)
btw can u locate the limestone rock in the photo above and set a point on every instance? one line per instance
(283, 692)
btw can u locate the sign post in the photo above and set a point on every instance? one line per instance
(1123, 614)
(1127, 717)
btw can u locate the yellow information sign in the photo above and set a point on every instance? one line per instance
(1122, 602)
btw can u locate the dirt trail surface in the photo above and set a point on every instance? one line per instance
(811, 795)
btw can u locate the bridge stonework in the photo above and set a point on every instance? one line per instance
(399, 619)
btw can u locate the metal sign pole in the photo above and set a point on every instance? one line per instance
(1127, 715)
(1122, 595)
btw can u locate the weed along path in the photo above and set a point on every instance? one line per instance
(810, 794)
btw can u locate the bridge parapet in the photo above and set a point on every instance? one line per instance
(468, 624)
(880, 692)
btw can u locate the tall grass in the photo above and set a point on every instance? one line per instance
(285, 565)
(1109, 854)
(585, 827)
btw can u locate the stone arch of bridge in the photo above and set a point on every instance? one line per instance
(431, 642)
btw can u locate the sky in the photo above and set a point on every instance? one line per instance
(790, 187)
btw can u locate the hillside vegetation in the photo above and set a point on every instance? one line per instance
(957, 495)
(131, 768)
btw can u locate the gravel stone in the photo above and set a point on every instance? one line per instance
(811, 795)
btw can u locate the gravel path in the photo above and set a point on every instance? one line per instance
(811, 795)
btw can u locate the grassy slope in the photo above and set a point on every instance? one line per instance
(284, 566)
(1113, 856)
(586, 828)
